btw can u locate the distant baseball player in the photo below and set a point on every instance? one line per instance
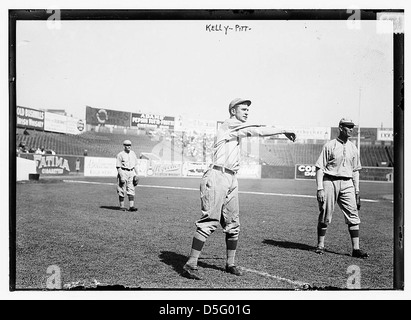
(219, 186)
(127, 178)
(338, 181)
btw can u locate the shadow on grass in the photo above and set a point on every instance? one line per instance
(116, 208)
(177, 261)
(295, 245)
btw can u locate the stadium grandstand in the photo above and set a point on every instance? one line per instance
(107, 144)
(175, 146)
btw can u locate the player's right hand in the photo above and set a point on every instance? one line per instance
(290, 135)
(320, 195)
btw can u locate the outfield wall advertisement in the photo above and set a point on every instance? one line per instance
(366, 134)
(52, 165)
(165, 168)
(152, 121)
(305, 133)
(307, 171)
(29, 118)
(100, 167)
(106, 167)
(250, 171)
(102, 116)
(195, 125)
(304, 171)
(194, 169)
(48, 121)
(385, 135)
(59, 123)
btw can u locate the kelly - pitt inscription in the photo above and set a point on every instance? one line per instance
(219, 27)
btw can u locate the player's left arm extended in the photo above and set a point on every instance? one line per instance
(263, 131)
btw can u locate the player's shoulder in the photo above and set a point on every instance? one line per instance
(225, 126)
(233, 124)
(352, 144)
(330, 143)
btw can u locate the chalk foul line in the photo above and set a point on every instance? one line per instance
(299, 284)
(196, 189)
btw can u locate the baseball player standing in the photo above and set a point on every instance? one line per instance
(127, 178)
(338, 181)
(219, 186)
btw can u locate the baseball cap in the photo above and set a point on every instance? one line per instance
(127, 142)
(238, 101)
(346, 122)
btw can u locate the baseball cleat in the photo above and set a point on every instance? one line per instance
(132, 209)
(233, 270)
(357, 253)
(319, 250)
(122, 209)
(191, 272)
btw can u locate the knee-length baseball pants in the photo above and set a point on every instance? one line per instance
(342, 192)
(219, 203)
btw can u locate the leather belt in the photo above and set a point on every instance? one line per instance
(329, 177)
(126, 169)
(223, 169)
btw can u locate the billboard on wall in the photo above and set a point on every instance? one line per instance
(304, 171)
(54, 122)
(305, 133)
(60, 123)
(366, 134)
(102, 116)
(196, 125)
(152, 121)
(250, 171)
(100, 167)
(192, 169)
(165, 168)
(385, 135)
(47, 164)
(75, 125)
(29, 118)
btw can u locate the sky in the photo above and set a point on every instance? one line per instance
(296, 73)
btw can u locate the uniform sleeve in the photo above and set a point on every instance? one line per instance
(357, 162)
(322, 159)
(135, 161)
(118, 161)
(254, 130)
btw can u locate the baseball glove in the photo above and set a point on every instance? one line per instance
(290, 135)
(135, 181)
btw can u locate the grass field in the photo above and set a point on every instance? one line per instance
(75, 225)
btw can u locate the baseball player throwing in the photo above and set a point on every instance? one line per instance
(127, 178)
(338, 181)
(219, 186)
